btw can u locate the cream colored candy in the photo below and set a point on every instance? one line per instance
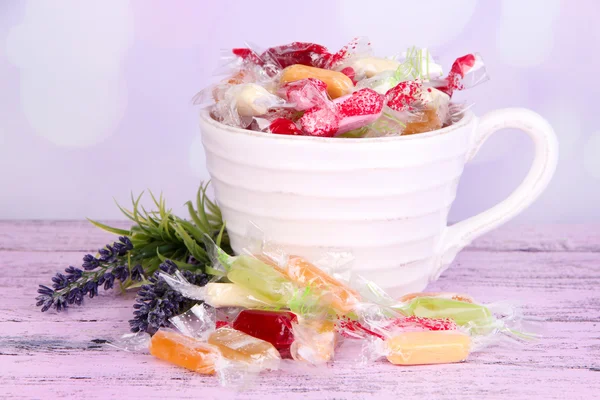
(428, 347)
(230, 295)
(338, 84)
(371, 66)
(252, 100)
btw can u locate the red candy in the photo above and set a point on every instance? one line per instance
(274, 327)
(463, 67)
(286, 55)
(350, 73)
(402, 96)
(310, 54)
(284, 126)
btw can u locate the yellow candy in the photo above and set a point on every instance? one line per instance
(338, 84)
(428, 347)
(239, 346)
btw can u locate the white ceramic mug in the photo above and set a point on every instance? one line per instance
(386, 200)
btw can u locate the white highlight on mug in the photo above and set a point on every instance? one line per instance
(70, 58)
(525, 36)
(591, 155)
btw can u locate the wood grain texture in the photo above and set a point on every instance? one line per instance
(554, 271)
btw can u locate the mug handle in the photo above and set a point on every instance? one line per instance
(457, 236)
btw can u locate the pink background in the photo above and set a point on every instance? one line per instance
(95, 95)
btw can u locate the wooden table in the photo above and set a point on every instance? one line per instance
(553, 270)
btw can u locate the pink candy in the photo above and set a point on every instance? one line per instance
(306, 93)
(327, 118)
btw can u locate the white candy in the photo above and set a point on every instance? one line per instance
(230, 295)
(251, 100)
(371, 66)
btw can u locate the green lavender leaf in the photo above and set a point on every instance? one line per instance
(116, 231)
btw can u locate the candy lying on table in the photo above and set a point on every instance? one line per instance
(303, 89)
(288, 307)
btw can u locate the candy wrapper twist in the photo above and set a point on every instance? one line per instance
(303, 89)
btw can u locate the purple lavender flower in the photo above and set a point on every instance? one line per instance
(71, 287)
(157, 302)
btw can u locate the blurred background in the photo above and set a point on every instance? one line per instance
(95, 96)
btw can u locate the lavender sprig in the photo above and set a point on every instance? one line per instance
(113, 264)
(156, 302)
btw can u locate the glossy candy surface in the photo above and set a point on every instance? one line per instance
(428, 347)
(274, 327)
(184, 351)
(238, 346)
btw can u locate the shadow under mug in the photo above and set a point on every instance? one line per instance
(385, 200)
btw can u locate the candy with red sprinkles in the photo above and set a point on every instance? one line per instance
(323, 122)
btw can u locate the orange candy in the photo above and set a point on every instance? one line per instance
(338, 84)
(304, 273)
(184, 351)
(430, 122)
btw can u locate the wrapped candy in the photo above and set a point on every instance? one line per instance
(303, 89)
(427, 347)
(314, 341)
(274, 327)
(337, 84)
(237, 104)
(238, 346)
(467, 71)
(418, 65)
(464, 313)
(184, 351)
(309, 54)
(443, 295)
(199, 346)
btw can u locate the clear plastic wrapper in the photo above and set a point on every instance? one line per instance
(314, 341)
(303, 53)
(466, 72)
(288, 307)
(237, 105)
(198, 322)
(303, 89)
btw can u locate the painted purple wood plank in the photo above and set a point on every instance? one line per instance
(53, 356)
(79, 236)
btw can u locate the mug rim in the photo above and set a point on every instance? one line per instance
(464, 121)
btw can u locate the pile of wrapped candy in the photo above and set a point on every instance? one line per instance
(303, 89)
(268, 306)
